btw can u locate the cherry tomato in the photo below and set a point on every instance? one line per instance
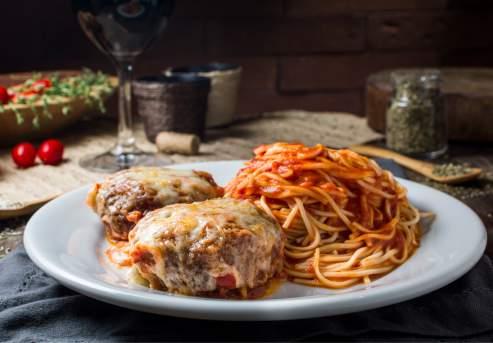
(24, 154)
(51, 152)
(27, 94)
(4, 95)
(226, 281)
(40, 85)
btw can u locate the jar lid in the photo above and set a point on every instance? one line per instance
(426, 78)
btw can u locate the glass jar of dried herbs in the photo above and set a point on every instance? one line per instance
(416, 122)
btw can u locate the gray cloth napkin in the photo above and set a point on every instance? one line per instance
(36, 308)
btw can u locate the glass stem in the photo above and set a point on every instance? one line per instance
(126, 141)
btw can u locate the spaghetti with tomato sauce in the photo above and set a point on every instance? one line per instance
(346, 220)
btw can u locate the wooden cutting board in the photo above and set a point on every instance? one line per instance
(468, 102)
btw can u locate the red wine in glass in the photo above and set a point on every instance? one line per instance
(122, 29)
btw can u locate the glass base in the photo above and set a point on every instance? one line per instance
(110, 161)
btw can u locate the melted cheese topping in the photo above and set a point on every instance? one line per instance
(204, 228)
(189, 220)
(170, 184)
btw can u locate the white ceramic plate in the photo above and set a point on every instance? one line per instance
(65, 239)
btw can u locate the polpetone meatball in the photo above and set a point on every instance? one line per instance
(124, 197)
(223, 247)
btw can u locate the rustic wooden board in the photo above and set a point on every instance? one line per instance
(468, 102)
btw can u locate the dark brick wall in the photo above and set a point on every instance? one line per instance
(296, 54)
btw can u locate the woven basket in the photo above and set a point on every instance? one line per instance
(175, 103)
(223, 97)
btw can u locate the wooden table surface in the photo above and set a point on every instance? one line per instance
(478, 195)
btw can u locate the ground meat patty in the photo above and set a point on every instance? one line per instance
(124, 197)
(220, 247)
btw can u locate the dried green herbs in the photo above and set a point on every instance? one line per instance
(481, 187)
(450, 169)
(416, 122)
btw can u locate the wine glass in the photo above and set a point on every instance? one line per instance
(122, 30)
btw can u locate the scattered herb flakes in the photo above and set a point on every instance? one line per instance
(480, 187)
(11, 231)
(101, 106)
(46, 110)
(36, 121)
(18, 116)
(31, 102)
(450, 169)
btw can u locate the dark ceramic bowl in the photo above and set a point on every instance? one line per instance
(172, 103)
(223, 97)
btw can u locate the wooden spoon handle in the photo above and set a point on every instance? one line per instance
(411, 163)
